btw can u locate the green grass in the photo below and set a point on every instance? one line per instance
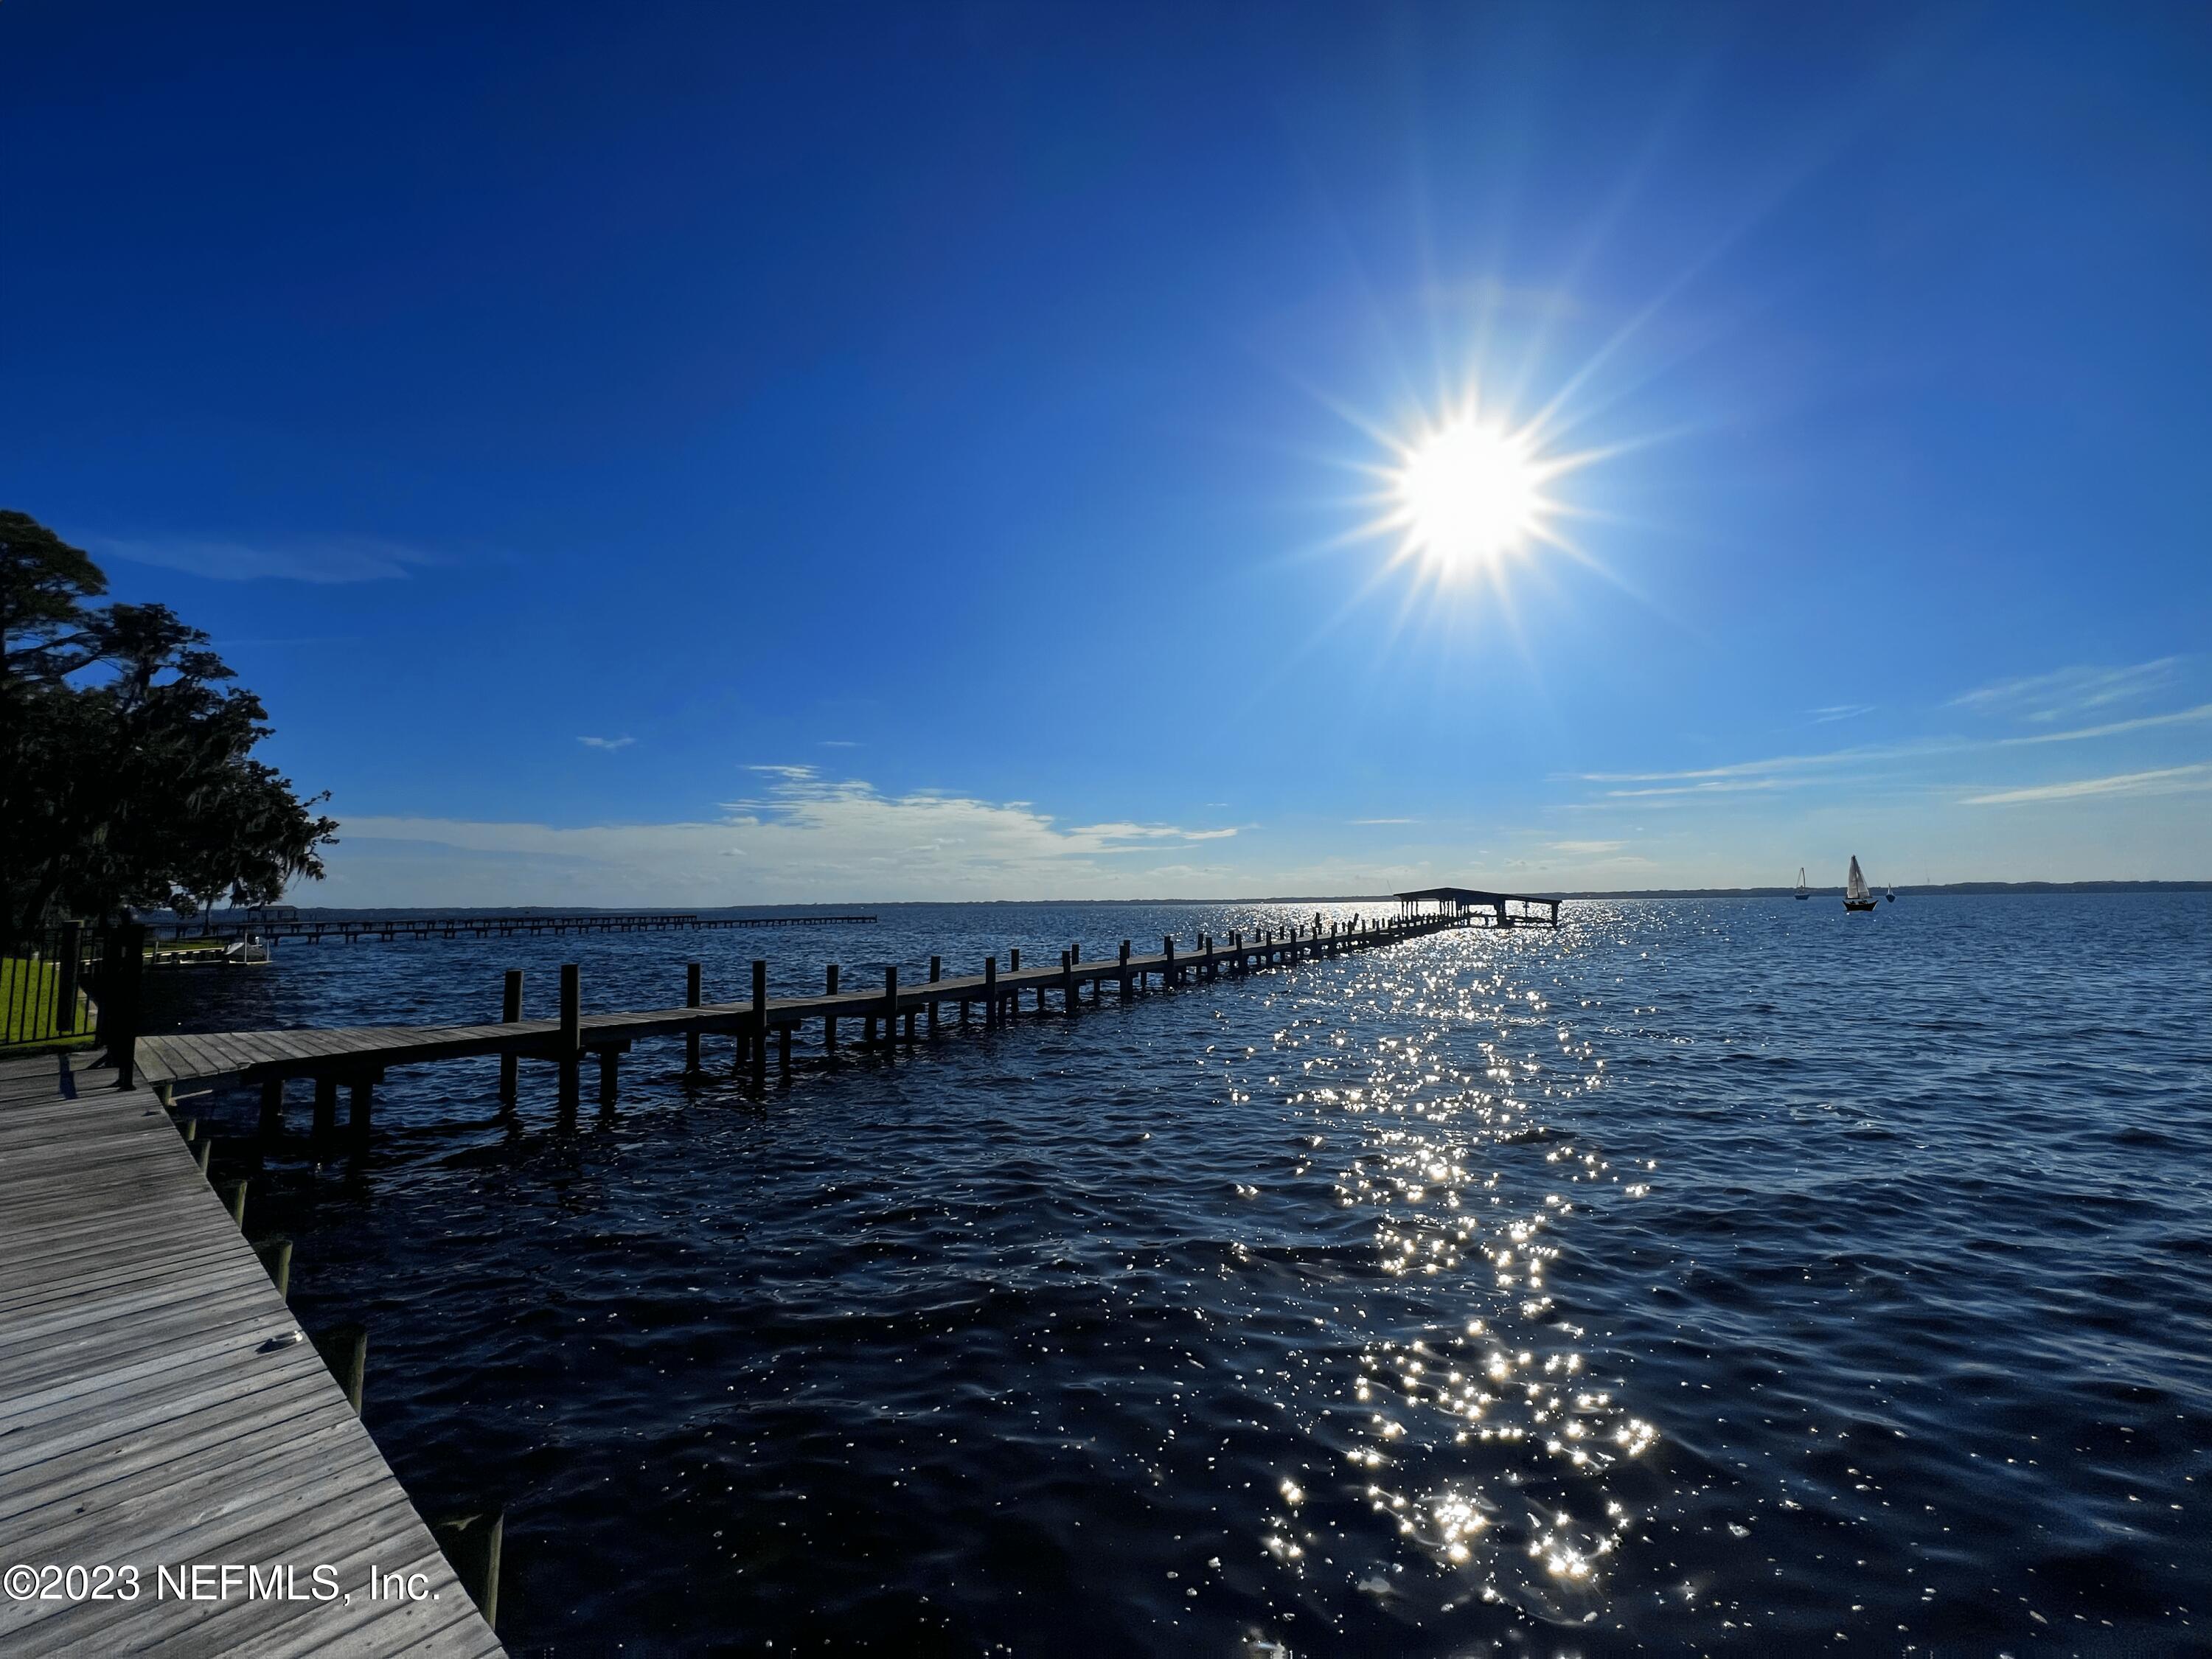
(28, 1016)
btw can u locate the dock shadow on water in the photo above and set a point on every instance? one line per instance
(1704, 1276)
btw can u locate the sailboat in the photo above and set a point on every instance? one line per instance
(1892, 894)
(1855, 896)
(1803, 891)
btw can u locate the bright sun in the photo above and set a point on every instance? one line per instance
(1468, 495)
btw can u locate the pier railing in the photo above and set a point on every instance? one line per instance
(886, 1016)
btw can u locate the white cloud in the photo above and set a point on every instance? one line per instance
(607, 743)
(1842, 711)
(2164, 780)
(805, 837)
(2070, 690)
(321, 559)
(2178, 717)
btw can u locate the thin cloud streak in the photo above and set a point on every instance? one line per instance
(319, 560)
(2164, 780)
(2142, 723)
(2070, 690)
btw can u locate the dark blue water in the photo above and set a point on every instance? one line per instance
(1706, 1275)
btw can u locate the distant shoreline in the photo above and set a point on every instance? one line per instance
(1940, 889)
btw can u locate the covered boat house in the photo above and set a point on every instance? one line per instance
(1496, 909)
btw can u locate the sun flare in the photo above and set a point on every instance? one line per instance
(1468, 495)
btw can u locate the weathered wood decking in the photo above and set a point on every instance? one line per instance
(145, 1423)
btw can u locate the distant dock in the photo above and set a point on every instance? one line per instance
(519, 924)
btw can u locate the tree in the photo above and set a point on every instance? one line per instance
(126, 772)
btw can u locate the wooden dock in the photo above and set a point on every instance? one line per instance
(161, 1413)
(357, 1058)
(158, 1420)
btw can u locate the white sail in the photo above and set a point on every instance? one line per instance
(1801, 877)
(1856, 888)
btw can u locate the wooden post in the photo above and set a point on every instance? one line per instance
(202, 1153)
(1066, 980)
(783, 1051)
(890, 1007)
(66, 1017)
(119, 1026)
(691, 998)
(275, 1255)
(510, 1011)
(990, 994)
(233, 1195)
(472, 1545)
(935, 964)
(1168, 973)
(1125, 971)
(760, 1024)
(272, 1105)
(607, 1060)
(829, 1021)
(345, 1349)
(1013, 961)
(572, 1031)
(326, 1103)
(360, 1101)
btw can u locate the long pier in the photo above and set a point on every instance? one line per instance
(161, 1411)
(346, 929)
(355, 1059)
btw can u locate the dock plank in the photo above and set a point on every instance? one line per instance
(141, 1420)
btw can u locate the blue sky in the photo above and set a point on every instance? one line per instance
(706, 454)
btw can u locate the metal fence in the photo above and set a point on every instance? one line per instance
(72, 985)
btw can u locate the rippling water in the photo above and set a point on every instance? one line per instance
(1704, 1275)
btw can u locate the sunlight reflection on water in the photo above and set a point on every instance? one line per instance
(1584, 1289)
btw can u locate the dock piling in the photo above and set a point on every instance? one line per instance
(936, 965)
(990, 994)
(829, 1021)
(275, 1255)
(510, 1011)
(760, 1022)
(345, 1349)
(691, 998)
(572, 1027)
(471, 1544)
